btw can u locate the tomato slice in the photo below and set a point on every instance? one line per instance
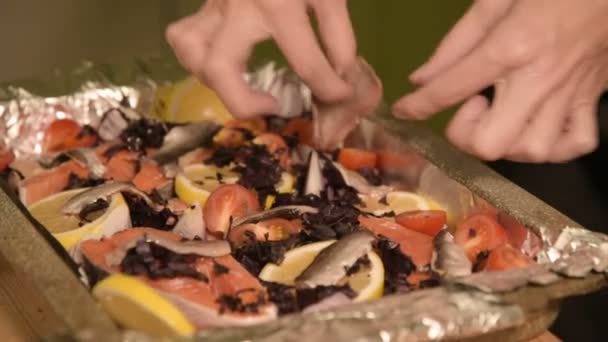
(506, 257)
(226, 203)
(256, 125)
(416, 245)
(275, 145)
(355, 159)
(429, 222)
(6, 156)
(302, 128)
(64, 134)
(479, 233)
(271, 230)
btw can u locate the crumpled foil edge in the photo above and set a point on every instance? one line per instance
(444, 312)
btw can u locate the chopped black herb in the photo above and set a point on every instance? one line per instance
(283, 296)
(235, 303)
(433, 281)
(397, 266)
(90, 208)
(383, 200)
(254, 254)
(144, 133)
(219, 269)
(356, 267)
(260, 169)
(156, 262)
(372, 175)
(480, 261)
(331, 222)
(222, 156)
(143, 215)
(75, 182)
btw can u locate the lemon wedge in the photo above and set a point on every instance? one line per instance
(196, 182)
(396, 201)
(190, 101)
(135, 305)
(286, 184)
(368, 282)
(67, 229)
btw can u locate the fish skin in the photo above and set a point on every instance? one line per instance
(75, 204)
(183, 139)
(330, 266)
(449, 259)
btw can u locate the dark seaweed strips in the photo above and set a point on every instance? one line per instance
(144, 133)
(254, 254)
(372, 175)
(156, 262)
(143, 215)
(331, 222)
(75, 182)
(235, 303)
(397, 266)
(288, 299)
(260, 169)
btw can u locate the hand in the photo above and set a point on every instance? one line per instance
(548, 61)
(215, 44)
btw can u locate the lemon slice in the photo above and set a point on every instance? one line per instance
(368, 282)
(196, 182)
(190, 101)
(135, 305)
(67, 229)
(396, 201)
(286, 184)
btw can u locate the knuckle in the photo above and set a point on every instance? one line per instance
(537, 152)
(173, 33)
(584, 144)
(518, 47)
(485, 151)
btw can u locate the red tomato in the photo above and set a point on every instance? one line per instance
(226, 203)
(256, 125)
(302, 128)
(271, 230)
(416, 278)
(479, 233)
(355, 159)
(64, 134)
(275, 145)
(428, 222)
(416, 245)
(6, 157)
(506, 257)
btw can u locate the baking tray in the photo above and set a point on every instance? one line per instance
(512, 307)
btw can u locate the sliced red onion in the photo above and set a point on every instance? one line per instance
(314, 178)
(191, 224)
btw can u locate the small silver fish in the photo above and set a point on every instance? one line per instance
(182, 139)
(330, 266)
(88, 157)
(285, 212)
(449, 259)
(75, 204)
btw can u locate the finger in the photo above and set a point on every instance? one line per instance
(581, 136)
(189, 38)
(545, 128)
(293, 34)
(225, 67)
(580, 132)
(336, 32)
(517, 100)
(454, 85)
(468, 32)
(464, 121)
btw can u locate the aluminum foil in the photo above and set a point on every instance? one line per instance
(464, 307)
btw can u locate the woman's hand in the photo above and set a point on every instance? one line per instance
(215, 44)
(548, 61)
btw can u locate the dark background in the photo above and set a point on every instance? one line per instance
(578, 189)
